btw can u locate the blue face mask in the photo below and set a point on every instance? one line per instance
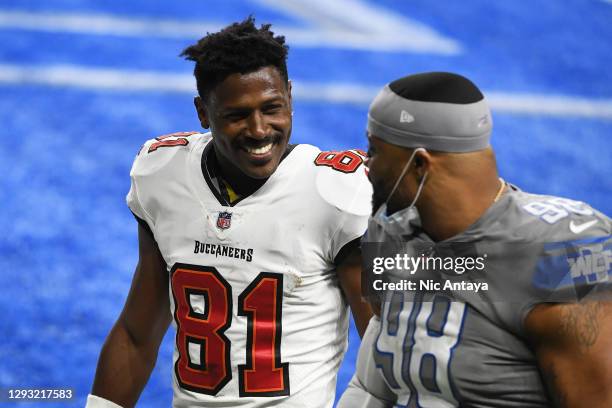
(382, 227)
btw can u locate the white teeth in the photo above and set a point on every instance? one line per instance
(261, 150)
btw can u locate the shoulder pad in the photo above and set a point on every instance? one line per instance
(565, 249)
(341, 181)
(156, 153)
(561, 219)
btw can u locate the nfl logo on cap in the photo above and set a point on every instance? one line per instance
(224, 221)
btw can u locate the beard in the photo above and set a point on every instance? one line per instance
(379, 195)
(382, 194)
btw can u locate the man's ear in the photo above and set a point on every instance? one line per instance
(289, 87)
(422, 163)
(201, 109)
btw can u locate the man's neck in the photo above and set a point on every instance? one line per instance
(446, 215)
(242, 184)
(229, 175)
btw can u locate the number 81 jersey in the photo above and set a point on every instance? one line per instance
(259, 317)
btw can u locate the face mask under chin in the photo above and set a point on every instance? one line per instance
(382, 227)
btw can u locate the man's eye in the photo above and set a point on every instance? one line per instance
(370, 152)
(272, 108)
(235, 116)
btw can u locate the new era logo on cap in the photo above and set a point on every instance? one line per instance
(483, 121)
(405, 117)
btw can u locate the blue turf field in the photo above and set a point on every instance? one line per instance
(69, 133)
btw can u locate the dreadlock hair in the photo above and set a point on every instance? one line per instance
(238, 48)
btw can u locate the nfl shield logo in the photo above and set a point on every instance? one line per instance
(224, 221)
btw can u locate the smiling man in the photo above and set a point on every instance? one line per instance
(247, 244)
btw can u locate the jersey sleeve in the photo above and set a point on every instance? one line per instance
(348, 195)
(150, 170)
(132, 198)
(575, 260)
(543, 249)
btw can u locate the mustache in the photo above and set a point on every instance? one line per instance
(246, 141)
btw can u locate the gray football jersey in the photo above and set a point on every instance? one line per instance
(469, 349)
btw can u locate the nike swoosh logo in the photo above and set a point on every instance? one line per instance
(577, 229)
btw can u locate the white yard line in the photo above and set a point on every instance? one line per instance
(71, 76)
(102, 24)
(326, 24)
(362, 25)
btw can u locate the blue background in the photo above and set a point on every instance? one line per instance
(68, 247)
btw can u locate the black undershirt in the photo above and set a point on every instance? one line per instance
(213, 176)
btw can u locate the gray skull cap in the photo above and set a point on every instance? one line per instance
(438, 111)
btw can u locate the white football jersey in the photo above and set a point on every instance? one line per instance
(259, 316)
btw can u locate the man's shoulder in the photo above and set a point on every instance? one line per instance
(158, 152)
(547, 218)
(340, 178)
(560, 219)
(572, 242)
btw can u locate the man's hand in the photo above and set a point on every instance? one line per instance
(573, 344)
(130, 350)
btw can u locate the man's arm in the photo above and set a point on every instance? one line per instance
(349, 275)
(367, 387)
(130, 350)
(573, 344)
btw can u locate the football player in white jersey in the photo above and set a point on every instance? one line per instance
(247, 244)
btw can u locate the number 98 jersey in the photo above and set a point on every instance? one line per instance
(462, 348)
(259, 316)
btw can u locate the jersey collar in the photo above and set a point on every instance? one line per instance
(210, 171)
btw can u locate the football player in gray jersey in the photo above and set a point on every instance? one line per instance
(540, 333)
